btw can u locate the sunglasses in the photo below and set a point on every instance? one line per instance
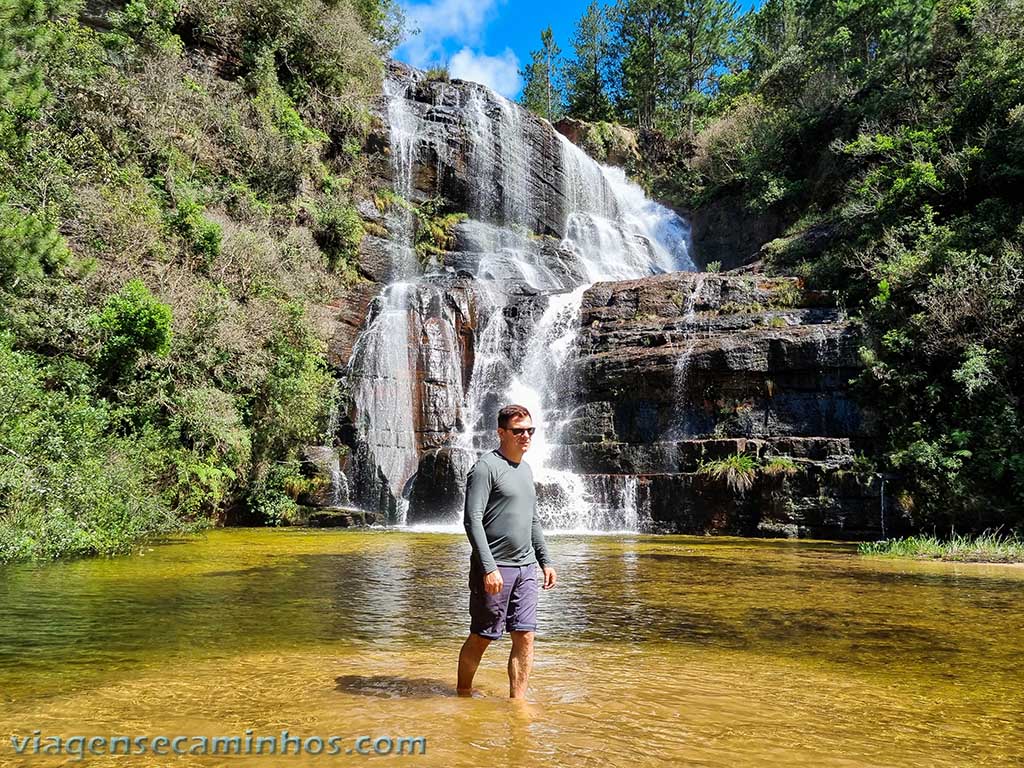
(520, 430)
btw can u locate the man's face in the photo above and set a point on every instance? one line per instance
(516, 433)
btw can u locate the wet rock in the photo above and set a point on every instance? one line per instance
(343, 517)
(676, 371)
(666, 374)
(375, 259)
(498, 163)
(439, 488)
(342, 320)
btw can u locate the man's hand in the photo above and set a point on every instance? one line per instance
(493, 582)
(550, 577)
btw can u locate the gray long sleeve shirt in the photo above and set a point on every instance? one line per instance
(501, 514)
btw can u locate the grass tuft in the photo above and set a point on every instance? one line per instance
(988, 547)
(738, 471)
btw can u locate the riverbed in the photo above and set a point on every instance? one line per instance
(651, 651)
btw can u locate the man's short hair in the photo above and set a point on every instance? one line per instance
(509, 412)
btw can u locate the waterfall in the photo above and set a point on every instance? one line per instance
(538, 385)
(519, 182)
(403, 139)
(681, 374)
(383, 395)
(492, 371)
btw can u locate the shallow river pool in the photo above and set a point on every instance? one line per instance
(651, 651)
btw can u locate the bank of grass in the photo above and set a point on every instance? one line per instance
(989, 547)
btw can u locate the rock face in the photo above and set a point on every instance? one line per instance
(609, 143)
(482, 154)
(726, 231)
(677, 371)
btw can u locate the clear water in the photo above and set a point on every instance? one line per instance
(652, 651)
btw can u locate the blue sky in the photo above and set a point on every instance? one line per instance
(487, 40)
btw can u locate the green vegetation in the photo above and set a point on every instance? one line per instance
(738, 471)
(785, 294)
(588, 74)
(433, 222)
(176, 195)
(435, 229)
(779, 466)
(988, 547)
(611, 143)
(439, 74)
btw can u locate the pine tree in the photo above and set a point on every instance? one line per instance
(700, 38)
(587, 74)
(641, 33)
(670, 56)
(542, 93)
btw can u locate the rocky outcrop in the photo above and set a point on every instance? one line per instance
(608, 143)
(645, 383)
(481, 154)
(728, 232)
(754, 358)
(340, 321)
(678, 371)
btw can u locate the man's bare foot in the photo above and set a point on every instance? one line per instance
(470, 693)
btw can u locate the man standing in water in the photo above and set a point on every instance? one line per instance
(509, 553)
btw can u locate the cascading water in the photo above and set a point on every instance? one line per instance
(383, 393)
(521, 183)
(681, 374)
(563, 502)
(402, 128)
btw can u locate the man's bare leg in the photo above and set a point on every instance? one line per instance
(520, 662)
(469, 659)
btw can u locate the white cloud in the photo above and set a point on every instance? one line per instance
(434, 23)
(501, 73)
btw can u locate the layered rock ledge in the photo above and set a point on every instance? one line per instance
(678, 371)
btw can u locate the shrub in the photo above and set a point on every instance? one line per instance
(200, 234)
(68, 486)
(435, 228)
(437, 74)
(277, 106)
(150, 23)
(29, 247)
(338, 231)
(273, 495)
(785, 294)
(132, 323)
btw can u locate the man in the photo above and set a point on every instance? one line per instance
(509, 553)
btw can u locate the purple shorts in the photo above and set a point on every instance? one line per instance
(514, 608)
